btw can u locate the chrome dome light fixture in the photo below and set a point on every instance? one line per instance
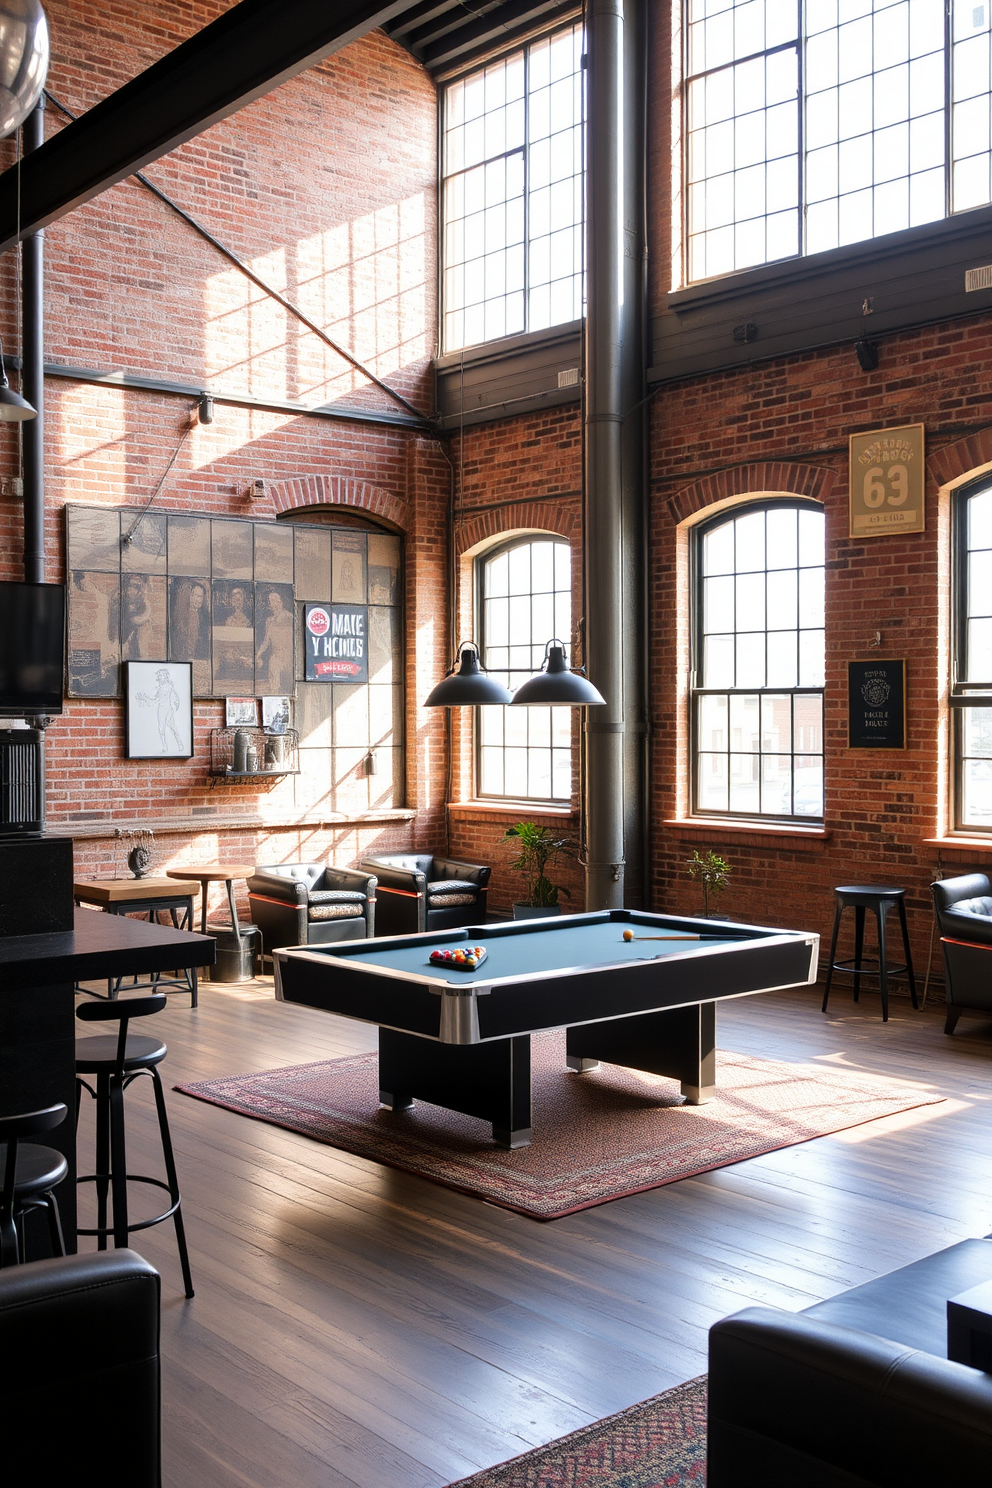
(469, 686)
(556, 684)
(23, 60)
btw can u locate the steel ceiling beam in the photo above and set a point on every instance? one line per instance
(241, 56)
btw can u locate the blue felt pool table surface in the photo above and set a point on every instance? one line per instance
(549, 947)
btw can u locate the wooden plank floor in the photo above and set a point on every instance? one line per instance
(353, 1325)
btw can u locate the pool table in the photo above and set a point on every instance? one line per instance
(461, 1039)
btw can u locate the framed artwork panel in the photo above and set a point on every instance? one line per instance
(159, 709)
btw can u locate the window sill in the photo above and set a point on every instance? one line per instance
(517, 810)
(962, 843)
(749, 834)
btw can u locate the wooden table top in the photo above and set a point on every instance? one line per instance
(119, 890)
(213, 872)
(100, 945)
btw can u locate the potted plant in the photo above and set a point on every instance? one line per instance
(537, 849)
(713, 873)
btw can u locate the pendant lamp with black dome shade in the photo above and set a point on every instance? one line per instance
(13, 408)
(467, 684)
(556, 684)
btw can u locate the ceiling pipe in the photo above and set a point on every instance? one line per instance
(602, 435)
(33, 371)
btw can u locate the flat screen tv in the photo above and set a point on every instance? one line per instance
(32, 648)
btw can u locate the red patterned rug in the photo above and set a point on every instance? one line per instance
(660, 1443)
(597, 1136)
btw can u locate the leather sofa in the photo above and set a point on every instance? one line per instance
(80, 1397)
(964, 914)
(310, 904)
(855, 1392)
(418, 891)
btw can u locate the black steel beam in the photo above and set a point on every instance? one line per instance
(244, 54)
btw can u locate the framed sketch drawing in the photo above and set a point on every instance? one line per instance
(241, 712)
(159, 709)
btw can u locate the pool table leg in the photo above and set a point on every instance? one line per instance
(679, 1043)
(490, 1080)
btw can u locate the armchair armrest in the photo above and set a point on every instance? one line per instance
(278, 886)
(476, 873)
(794, 1401)
(350, 878)
(390, 877)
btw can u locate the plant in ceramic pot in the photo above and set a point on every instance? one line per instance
(538, 849)
(713, 873)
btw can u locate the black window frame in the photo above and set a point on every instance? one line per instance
(518, 540)
(697, 534)
(963, 694)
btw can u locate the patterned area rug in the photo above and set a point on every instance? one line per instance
(597, 1136)
(660, 1443)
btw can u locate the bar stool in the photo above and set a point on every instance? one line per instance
(116, 1062)
(30, 1173)
(879, 899)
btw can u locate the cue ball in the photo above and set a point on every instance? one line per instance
(628, 935)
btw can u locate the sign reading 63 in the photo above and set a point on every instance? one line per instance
(887, 473)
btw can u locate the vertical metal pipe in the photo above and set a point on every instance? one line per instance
(634, 464)
(33, 373)
(603, 557)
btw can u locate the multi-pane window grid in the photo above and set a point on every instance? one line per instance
(525, 600)
(813, 125)
(759, 658)
(513, 193)
(973, 671)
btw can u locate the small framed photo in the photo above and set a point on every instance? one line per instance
(241, 712)
(159, 709)
(276, 714)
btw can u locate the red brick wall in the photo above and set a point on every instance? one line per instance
(327, 186)
(783, 426)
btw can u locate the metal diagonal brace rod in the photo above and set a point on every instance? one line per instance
(268, 289)
(242, 55)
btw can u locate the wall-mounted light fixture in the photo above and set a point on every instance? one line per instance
(468, 686)
(13, 408)
(205, 409)
(556, 684)
(867, 354)
(370, 764)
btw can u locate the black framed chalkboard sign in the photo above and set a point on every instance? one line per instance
(876, 704)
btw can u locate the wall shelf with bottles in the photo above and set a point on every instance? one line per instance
(253, 753)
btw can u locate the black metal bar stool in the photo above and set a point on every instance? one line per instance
(116, 1062)
(30, 1173)
(879, 898)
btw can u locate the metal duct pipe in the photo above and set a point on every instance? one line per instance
(603, 431)
(633, 476)
(33, 372)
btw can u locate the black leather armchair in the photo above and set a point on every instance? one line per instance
(418, 891)
(310, 904)
(79, 1370)
(964, 915)
(856, 1392)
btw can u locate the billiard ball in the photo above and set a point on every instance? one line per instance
(628, 935)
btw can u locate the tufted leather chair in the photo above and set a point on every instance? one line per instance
(310, 904)
(964, 914)
(418, 891)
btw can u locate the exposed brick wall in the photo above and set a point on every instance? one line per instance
(783, 426)
(327, 187)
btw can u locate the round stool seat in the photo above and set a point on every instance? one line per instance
(94, 1055)
(867, 892)
(38, 1169)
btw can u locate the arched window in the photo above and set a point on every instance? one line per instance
(971, 689)
(758, 662)
(524, 600)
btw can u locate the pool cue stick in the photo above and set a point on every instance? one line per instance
(669, 937)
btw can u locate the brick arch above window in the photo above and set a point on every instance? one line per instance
(339, 490)
(965, 458)
(762, 479)
(531, 516)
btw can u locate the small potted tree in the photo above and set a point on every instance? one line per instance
(713, 872)
(537, 850)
